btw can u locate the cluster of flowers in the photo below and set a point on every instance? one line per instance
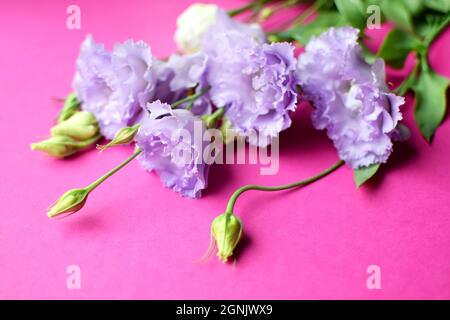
(234, 73)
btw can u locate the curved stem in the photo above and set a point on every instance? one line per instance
(96, 183)
(241, 190)
(211, 120)
(190, 98)
(408, 82)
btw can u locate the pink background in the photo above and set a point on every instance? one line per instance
(136, 239)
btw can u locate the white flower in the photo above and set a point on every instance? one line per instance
(192, 24)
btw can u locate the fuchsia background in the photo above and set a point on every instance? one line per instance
(136, 239)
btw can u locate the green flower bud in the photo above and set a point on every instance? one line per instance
(226, 230)
(62, 146)
(70, 202)
(124, 136)
(81, 126)
(71, 106)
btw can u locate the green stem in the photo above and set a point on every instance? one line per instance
(241, 190)
(95, 184)
(211, 120)
(190, 98)
(409, 81)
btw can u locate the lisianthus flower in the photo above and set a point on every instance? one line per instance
(180, 76)
(114, 86)
(170, 149)
(255, 82)
(350, 97)
(195, 21)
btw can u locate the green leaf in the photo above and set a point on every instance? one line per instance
(431, 25)
(396, 47)
(397, 12)
(303, 33)
(353, 11)
(438, 5)
(413, 6)
(431, 102)
(363, 174)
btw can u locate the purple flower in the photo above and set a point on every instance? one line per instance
(115, 85)
(255, 82)
(350, 97)
(169, 147)
(180, 76)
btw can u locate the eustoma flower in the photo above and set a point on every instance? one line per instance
(116, 85)
(166, 138)
(194, 22)
(255, 82)
(350, 97)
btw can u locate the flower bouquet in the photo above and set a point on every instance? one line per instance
(234, 82)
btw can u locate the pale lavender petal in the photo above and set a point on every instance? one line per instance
(350, 97)
(160, 138)
(115, 85)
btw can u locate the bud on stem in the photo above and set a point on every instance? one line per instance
(226, 229)
(71, 105)
(124, 136)
(81, 126)
(62, 146)
(73, 200)
(70, 202)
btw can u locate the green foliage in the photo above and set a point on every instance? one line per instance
(354, 12)
(438, 5)
(363, 174)
(397, 12)
(431, 102)
(396, 47)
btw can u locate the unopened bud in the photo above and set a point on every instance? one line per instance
(124, 136)
(70, 202)
(71, 106)
(227, 231)
(62, 146)
(80, 126)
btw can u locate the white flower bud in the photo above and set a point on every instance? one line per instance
(192, 24)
